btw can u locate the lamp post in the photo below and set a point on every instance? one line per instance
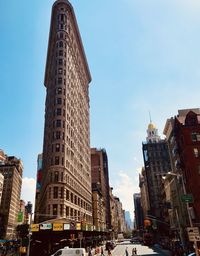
(187, 205)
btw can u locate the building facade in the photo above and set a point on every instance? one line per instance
(156, 164)
(1, 186)
(66, 169)
(183, 136)
(99, 167)
(139, 218)
(11, 168)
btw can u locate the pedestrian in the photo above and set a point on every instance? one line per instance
(109, 252)
(135, 251)
(89, 252)
(102, 254)
(126, 251)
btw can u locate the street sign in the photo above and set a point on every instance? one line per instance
(193, 233)
(187, 198)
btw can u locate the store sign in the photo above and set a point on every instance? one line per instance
(45, 226)
(57, 226)
(78, 226)
(66, 226)
(34, 227)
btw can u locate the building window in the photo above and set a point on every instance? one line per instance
(60, 61)
(60, 53)
(59, 90)
(49, 193)
(58, 111)
(58, 123)
(55, 208)
(60, 44)
(59, 80)
(67, 194)
(196, 152)
(198, 169)
(61, 192)
(195, 136)
(57, 147)
(58, 101)
(57, 160)
(67, 211)
(61, 209)
(56, 176)
(72, 198)
(55, 192)
(60, 71)
(58, 135)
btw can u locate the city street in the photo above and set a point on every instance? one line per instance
(141, 250)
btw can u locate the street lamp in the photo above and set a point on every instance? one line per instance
(187, 205)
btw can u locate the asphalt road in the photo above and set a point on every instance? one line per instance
(119, 250)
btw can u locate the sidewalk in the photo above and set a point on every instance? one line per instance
(160, 250)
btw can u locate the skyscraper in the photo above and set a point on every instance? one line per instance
(11, 168)
(66, 170)
(156, 164)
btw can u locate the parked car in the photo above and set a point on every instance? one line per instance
(66, 251)
(192, 254)
(135, 240)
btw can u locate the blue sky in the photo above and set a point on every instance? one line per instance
(143, 56)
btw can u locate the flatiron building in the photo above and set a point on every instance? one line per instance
(65, 190)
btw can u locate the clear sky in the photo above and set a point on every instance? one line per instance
(144, 55)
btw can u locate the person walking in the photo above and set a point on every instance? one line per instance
(102, 254)
(109, 252)
(126, 251)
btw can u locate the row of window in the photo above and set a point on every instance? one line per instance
(58, 192)
(68, 211)
(195, 136)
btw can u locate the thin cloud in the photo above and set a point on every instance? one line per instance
(124, 189)
(28, 190)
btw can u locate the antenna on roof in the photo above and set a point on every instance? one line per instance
(150, 117)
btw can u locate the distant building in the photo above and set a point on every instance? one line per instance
(128, 220)
(38, 186)
(156, 164)
(11, 168)
(144, 192)
(100, 177)
(1, 186)
(139, 219)
(98, 206)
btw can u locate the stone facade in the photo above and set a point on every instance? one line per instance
(66, 170)
(11, 169)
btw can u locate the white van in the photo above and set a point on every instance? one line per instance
(66, 251)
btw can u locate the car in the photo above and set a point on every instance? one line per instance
(192, 254)
(135, 240)
(66, 251)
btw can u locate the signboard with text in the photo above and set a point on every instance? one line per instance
(34, 227)
(57, 226)
(187, 198)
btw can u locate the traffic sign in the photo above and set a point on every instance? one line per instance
(187, 198)
(193, 233)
